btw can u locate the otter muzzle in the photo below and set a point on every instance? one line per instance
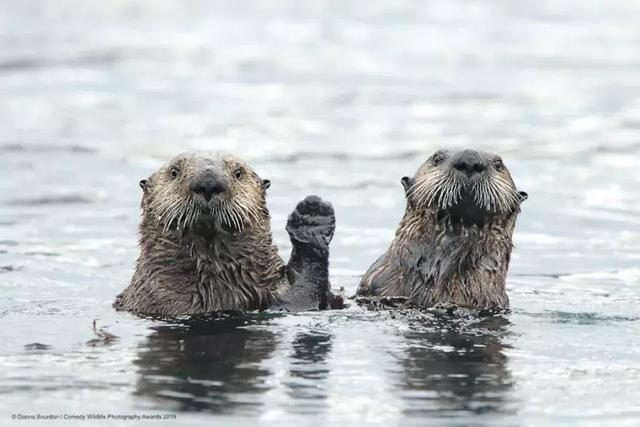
(208, 187)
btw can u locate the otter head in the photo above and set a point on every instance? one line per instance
(465, 188)
(194, 188)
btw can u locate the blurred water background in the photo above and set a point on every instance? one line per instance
(341, 99)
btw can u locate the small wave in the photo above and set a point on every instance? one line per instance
(82, 60)
(37, 346)
(346, 157)
(72, 199)
(44, 148)
(582, 318)
(42, 253)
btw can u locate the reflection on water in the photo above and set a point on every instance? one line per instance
(449, 367)
(210, 365)
(309, 371)
(452, 369)
(217, 366)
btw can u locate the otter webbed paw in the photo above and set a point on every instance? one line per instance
(312, 224)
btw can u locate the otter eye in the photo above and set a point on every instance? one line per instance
(437, 159)
(238, 173)
(498, 165)
(175, 172)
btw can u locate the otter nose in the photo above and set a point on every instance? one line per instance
(208, 187)
(469, 163)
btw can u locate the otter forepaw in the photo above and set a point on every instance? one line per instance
(312, 223)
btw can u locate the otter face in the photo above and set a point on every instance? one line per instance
(468, 187)
(196, 187)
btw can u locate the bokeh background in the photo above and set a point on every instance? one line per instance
(340, 99)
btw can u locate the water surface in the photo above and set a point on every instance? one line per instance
(340, 99)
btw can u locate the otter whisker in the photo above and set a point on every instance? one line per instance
(231, 216)
(239, 221)
(487, 195)
(477, 193)
(162, 210)
(179, 215)
(452, 189)
(224, 216)
(435, 193)
(254, 215)
(234, 219)
(245, 215)
(498, 199)
(494, 197)
(484, 195)
(427, 189)
(248, 211)
(193, 215)
(230, 208)
(444, 192)
(509, 189)
(168, 215)
(455, 192)
(181, 218)
(507, 194)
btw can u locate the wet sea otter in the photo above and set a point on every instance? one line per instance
(453, 244)
(205, 244)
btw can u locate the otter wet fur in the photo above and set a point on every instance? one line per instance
(454, 242)
(206, 246)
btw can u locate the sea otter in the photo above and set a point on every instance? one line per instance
(454, 242)
(206, 246)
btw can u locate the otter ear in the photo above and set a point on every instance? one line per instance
(143, 183)
(407, 183)
(265, 184)
(523, 196)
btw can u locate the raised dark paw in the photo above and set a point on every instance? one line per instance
(312, 223)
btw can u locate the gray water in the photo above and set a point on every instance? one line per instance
(340, 99)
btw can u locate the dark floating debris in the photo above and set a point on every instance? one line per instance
(441, 310)
(382, 303)
(102, 337)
